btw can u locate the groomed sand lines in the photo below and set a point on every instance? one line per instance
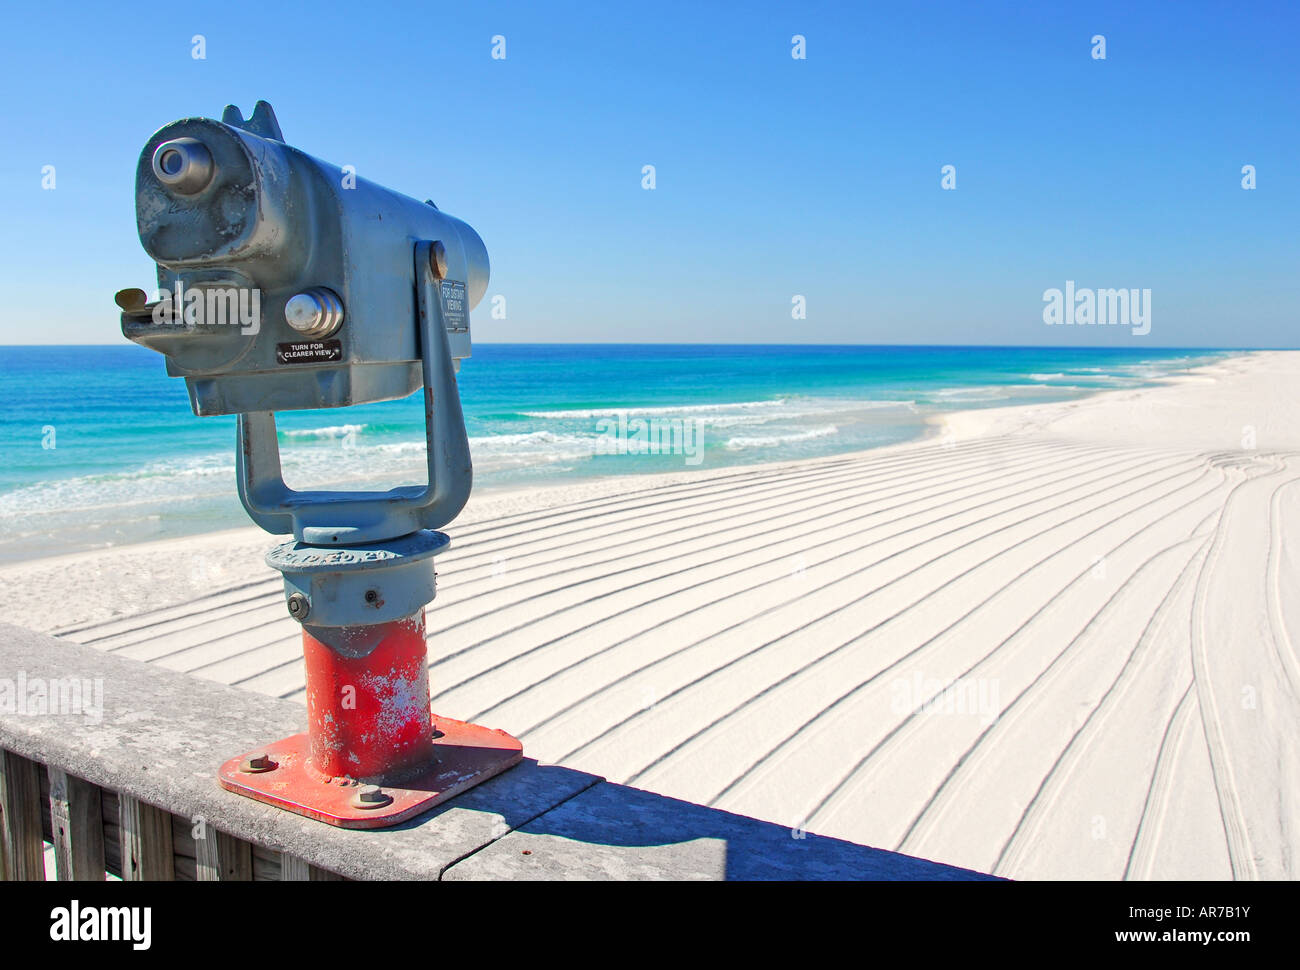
(1036, 654)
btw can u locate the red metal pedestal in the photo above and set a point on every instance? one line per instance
(373, 754)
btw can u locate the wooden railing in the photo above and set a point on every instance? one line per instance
(124, 783)
(94, 832)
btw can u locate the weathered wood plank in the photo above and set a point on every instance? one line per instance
(294, 869)
(222, 857)
(112, 833)
(22, 848)
(146, 841)
(185, 852)
(76, 827)
(46, 834)
(266, 864)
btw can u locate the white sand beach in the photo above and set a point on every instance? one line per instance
(1053, 641)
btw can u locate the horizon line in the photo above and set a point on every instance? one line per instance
(732, 343)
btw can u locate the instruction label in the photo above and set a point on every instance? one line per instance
(309, 352)
(455, 313)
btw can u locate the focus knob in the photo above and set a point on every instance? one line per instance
(314, 313)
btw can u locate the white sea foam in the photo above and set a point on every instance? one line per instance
(151, 484)
(769, 441)
(333, 431)
(732, 414)
(988, 392)
(610, 412)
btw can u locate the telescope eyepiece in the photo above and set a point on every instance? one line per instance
(184, 165)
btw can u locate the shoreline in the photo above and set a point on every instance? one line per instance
(154, 560)
(956, 424)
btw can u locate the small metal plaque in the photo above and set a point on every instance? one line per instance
(455, 305)
(309, 352)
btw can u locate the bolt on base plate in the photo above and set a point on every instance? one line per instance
(467, 754)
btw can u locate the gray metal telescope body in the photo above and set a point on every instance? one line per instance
(364, 296)
(273, 218)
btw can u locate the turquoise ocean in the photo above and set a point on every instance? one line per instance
(101, 448)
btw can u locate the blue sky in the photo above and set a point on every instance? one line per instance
(774, 176)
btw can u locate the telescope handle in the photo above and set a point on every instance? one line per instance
(343, 518)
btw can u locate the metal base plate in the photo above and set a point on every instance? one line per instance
(466, 755)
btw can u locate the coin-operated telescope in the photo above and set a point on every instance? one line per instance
(286, 283)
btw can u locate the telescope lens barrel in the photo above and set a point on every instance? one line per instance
(184, 165)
